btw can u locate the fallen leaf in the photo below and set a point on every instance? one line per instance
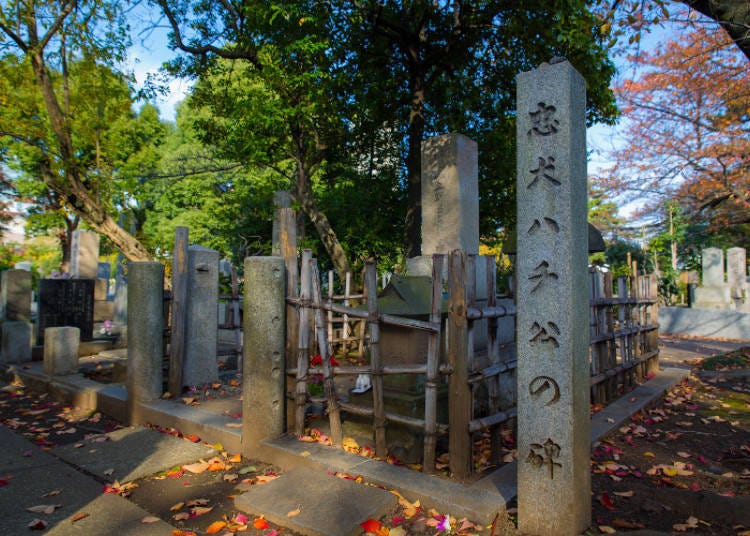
(628, 493)
(262, 479)
(196, 468)
(605, 529)
(178, 506)
(78, 516)
(371, 525)
(198, 502)
(237, 458)
(248, 469)
(294, 513)
(683, 455)
(260, 523)
(606, 501)
(623, 524)
(649, 454)
(231, 477)
(233, 425)
(397, 531)
(44, 508)
(150, 519)
(182, 516)
(215, 527)
(53, 493)
(38, 524)
(200, 510)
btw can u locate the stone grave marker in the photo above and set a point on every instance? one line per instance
(554, 481)
(84, 255)
(15, 295)
(66, 302)
(714, 293)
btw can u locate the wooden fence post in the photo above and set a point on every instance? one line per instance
(371, 284)
(459, 412)
(179, 303)
(432, 376)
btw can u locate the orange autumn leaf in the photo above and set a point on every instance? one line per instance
(215, 527)
(260, 524)
(371, 525)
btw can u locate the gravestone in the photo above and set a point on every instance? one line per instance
(15, 341)
(15, 295)
(737, 276)
(714, 293)
(23, 265)
(120, 314)
(202, 319)
(61, 350)
(84, 255)
(554, 481)
(66, 302)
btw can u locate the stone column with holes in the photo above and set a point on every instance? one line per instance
(264, 368)
(554, 482)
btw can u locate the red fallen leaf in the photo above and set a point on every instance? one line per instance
(38, 524)
(194, 438)
(260, 524)
(371, 525)
(695, 487)
(606, 501)
(3, 482)
(397, 520)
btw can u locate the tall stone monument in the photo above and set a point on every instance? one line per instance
(202, 317)
(554, 481)
(15, 295)
(84, 255)
(714, 293)
(737, 277)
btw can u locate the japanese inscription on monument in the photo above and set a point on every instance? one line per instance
(553, 375)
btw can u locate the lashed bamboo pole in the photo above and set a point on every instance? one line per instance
(371, 286)
(334, 416)
(303, 343)
(432, 371)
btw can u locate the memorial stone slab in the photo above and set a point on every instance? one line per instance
(66, 302)
(15, 295)
(15, 343)
(61, 350)
(713, 267)
(450, 182)
(84, 255)
(120, 314)
(23, 265)
(737, 271)
(554, 481)
(201, 330)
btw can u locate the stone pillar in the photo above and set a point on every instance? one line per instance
(61, 350)
(281, 199)
(15, 295)
(16, 341)
(264, 370)
(554, 482)
(120, 314)
(145, 334)
(84, 255)
(201, 317)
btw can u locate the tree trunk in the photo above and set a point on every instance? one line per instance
(72, 189)
(304, 196)
(65, 236)
(415, 133)
(732, 15)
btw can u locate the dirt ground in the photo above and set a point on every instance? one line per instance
(680, 467)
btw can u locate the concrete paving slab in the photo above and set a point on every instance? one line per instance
(132, 453)
(620, 411)
(31, 478)
(329, 506)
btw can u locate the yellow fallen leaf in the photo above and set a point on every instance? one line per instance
(196, 468)
(349, 444)
(628, 493)
(649, 454)
(294, 513)
(397, 531)
(177, 506)
(305, 454)
(606, 529)
(233, 425)
(235, 459)
(669, 471)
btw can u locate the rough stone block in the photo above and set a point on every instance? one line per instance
(84, 255)
(713, 297)
(61, 350)
(202, 317)
(15, 295)
(16, 342)
(712, 260)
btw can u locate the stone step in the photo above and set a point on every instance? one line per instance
(328, 505)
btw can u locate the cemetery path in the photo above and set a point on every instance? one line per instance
(681, 466)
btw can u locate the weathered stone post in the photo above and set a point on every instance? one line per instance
(145, 334)
(15, 295)
(264, 367)
(84, 254)
(201, 317)
(554, 483)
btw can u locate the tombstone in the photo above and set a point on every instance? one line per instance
(84, 255)
(202, 319)
(552, 318)
(61, 350)
(66, 302)
(23, 265)
(103, 271)
(737, 276)
(15, 295)
(714, 293)
(15, 342)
